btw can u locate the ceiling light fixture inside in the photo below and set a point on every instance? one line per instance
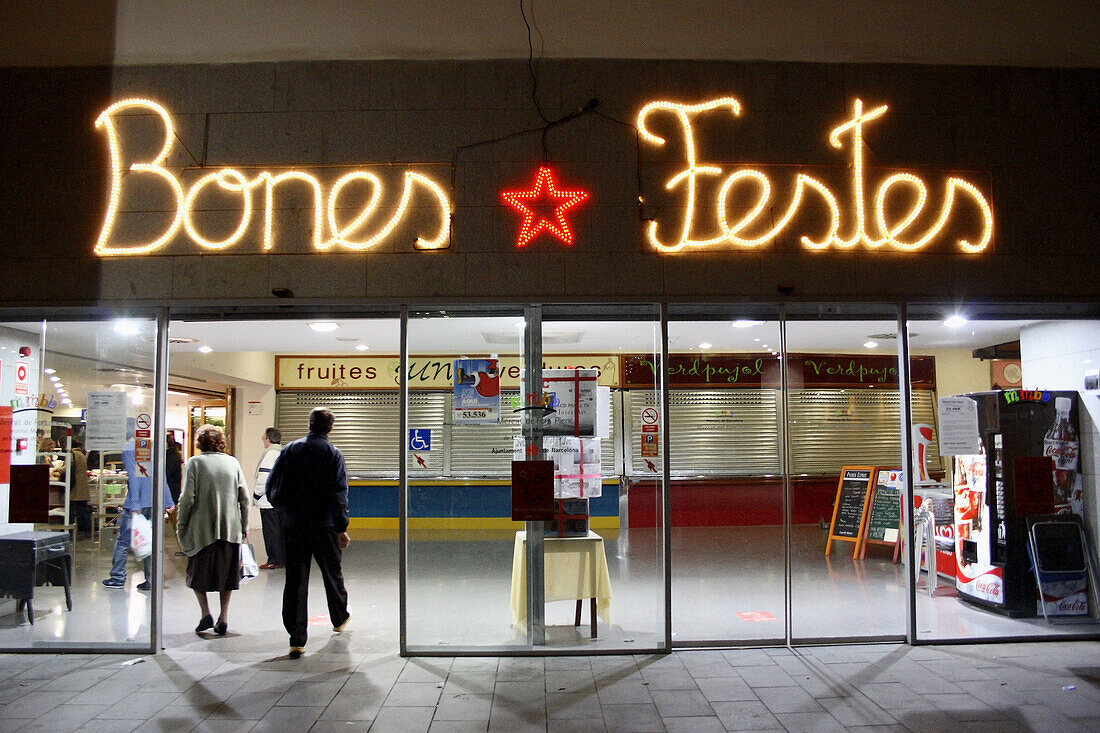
(324, 326)
(127, 327)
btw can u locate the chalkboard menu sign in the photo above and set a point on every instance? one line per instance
(850, 507)
(884, 516)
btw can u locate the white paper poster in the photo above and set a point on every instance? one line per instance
(573, 399)
(959, 427)
(106, 430)
(577, 467)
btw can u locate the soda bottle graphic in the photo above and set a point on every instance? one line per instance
(1062, 445)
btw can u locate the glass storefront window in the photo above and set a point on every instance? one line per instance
(1026, 452)
(74, 395)
(615, 471)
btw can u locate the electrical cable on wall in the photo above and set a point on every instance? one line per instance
(548, 124)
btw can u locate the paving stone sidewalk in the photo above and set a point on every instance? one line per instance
(1051, 686)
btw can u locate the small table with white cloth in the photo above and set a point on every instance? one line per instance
(575, 569)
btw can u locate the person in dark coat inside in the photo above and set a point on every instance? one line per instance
(309, 484)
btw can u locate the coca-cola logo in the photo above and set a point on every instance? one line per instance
(989, 586)
(1075, 606)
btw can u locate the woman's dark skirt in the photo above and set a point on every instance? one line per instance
(215, 568)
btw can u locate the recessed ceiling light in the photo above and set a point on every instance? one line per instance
(955, 321)
(50, 371)
(55, 379)
(205, 349)
(746, 323)
(705, 345)
(361, 347)
(127, 327)
(324, 326)
(870, 345)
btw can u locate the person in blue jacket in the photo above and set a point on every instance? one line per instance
(139, 498)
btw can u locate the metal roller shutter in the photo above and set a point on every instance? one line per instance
(736, 432)
(365, 430)
(367, 425)
(831, 428)
(714, 432)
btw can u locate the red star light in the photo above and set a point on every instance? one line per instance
(547, 195)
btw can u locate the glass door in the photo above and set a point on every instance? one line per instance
(534, 383)
(463, 384)
(725, 402)
(845, 481)
(609, 470)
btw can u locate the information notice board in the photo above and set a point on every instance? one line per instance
(884, 515)
(850, 508)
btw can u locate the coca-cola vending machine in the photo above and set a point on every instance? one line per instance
(1027, 467)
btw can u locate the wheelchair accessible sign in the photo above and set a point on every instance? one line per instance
(420, 439)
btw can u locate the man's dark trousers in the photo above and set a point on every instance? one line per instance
(272, 522)
(302, 545)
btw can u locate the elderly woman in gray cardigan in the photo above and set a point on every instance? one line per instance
(212, 523)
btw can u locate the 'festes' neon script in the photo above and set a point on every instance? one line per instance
(895, 234)
(236, 182)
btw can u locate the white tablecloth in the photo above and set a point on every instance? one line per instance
(576, 568)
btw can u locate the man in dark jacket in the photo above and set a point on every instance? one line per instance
(309, 484)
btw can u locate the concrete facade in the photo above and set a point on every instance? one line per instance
(1024, 136)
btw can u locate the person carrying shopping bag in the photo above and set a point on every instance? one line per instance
(212, 523)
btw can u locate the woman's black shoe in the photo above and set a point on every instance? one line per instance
(221, 628)
(207, 622)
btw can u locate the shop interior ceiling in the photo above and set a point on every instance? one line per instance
(90, 356)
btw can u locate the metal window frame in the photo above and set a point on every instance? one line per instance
(163, 315)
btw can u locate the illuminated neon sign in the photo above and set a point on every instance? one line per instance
(348, 234)
(543, 190)
(897, 233)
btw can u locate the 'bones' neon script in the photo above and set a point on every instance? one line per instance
(348, 234)
(898, 234)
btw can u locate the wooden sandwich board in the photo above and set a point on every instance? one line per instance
(884, 516)
(850, 508)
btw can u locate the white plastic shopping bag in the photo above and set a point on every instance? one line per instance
(249, 568)
(141, 536)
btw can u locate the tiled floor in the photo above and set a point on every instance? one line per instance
(1009, 687)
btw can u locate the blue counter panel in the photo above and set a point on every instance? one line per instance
(490, 500)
